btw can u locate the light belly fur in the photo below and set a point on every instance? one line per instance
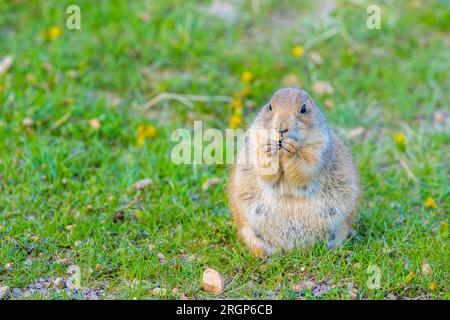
(290, 221)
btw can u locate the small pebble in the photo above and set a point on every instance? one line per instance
(17, 292)
(159, 292)
(141, 184)
(27, 122)
(305, 285)
(426, 269)
(4, 292)
(212, 281)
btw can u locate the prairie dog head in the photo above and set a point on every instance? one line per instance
(292, 113)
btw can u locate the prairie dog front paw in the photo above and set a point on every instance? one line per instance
(289, 146)
(268, 161)
(271, 148)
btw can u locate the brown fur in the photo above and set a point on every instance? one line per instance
(311, 196)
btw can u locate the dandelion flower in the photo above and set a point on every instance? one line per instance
(145, 132)
(236, 103)
(246, 76)
(444, 229)
(238, 112)
(82, 66)
(297, 51)
(409, 277)
(52, 34)
(430, 203)
(246, 91)
(400, 139)
(433, 286)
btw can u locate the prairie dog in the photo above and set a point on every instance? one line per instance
(309, 195)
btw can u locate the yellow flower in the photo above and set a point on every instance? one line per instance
(246, 76)
(52, 34)
(235, 121)
(429, 203)
(144, 132)
(409, 277)
(147, 131)
(140, 140)
(82, 66)
(70, 101)
(413, 5)
(433, 286)
(246, 91)
(400, 139)
(444, 231)
(236, 103)
(297, 51)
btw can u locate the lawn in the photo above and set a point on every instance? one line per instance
(77, 132)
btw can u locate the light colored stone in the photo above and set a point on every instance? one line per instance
(304, 285)
(59, 283)
(212, 281)
(355, 133)
(5, 64)
(223, 10)
(5, 291)
(27, 122)
(162, 258)
(142, 184)
(159, 292)
(95, 123)
(329, 104)
(316, 58)
(426, 269)
(209, 183)
(323, 87)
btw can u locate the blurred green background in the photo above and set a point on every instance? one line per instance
(77, 132)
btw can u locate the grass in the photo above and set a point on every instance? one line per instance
(59, 171)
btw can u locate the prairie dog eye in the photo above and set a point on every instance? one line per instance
(270, 107)
(303, 108)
